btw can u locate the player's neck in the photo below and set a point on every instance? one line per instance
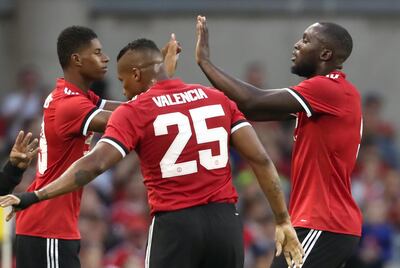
(79, 81)
(324, 70)
(161, 75)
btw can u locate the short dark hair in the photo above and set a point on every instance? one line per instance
(70, 40)
(339, 38)
(138, 44)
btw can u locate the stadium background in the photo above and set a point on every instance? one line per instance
(251, 39)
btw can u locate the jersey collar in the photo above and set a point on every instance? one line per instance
(168, 84)
(336, 72)
(62, 84)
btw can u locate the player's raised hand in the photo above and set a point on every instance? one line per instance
(24, 150)
(286, 240)
(171, 54)
(202, 47)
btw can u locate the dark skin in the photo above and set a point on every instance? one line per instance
(89, 64)
(312, 56)
(138, 71)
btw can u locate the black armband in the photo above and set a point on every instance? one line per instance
(27, 199)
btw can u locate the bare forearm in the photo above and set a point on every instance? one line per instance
(269, 182)
(79, 174)
(239, 91)
(252, 101)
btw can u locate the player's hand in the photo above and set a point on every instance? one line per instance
(171, 54)
(9, 200)
(286, 240)
(202, 47)
(18, 201)
(24, 150)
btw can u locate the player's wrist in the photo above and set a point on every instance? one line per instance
(282, 218)
(202, 62)
(26, 200)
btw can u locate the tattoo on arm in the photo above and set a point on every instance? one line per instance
(82, 177)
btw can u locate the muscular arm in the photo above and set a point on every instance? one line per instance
(255, 103)
(252, 101)
(102, 157)
(245, 140)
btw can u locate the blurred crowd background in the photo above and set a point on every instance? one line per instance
(251, 39)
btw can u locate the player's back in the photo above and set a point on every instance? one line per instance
(64, 138)
(183, 134)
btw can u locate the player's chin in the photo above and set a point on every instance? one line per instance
(100, 75)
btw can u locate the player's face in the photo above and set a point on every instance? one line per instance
(306, 53)
(137, 70)
(129, 84)
(94, 61)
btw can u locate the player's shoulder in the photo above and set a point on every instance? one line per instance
(68, 95)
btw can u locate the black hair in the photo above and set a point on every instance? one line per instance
(339, 38)
(70, 40)
(138, 44)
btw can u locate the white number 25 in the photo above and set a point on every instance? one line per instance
(168, 165)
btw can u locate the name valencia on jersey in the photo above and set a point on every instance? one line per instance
(180, 98)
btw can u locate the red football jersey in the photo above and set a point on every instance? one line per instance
(181, 133)
(327, 140)
(64, 138)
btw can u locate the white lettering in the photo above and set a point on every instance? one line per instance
(180, 98)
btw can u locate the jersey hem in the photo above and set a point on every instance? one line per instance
(327, 230)
(65, 237)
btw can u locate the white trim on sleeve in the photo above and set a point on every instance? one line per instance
(87, 123)
(102, 104)
(240, 125)
(300, 100)
(116, 145)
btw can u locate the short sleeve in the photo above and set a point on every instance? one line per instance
(238, 119)
(121, 131)
(319, 95)
(74, 114)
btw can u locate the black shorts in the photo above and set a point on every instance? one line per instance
(322, 249)
(203, 236)
(38, 252)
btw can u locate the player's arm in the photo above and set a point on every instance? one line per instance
(110, 105)
(21, 155)
(99, 121)
(245, 140)
(170, 53)
(80, 173)
(252, 101)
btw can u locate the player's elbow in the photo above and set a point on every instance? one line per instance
(260, 159)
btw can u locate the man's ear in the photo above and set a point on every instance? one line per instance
(137, 75)
(326, 54)
(76, 59)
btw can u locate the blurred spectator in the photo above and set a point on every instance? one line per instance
(379, 131)
(22, 106)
